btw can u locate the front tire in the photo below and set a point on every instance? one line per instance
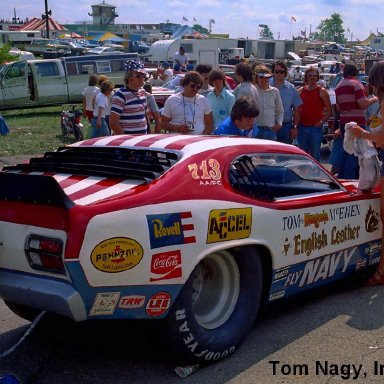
(216, 308)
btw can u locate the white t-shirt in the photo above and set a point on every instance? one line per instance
(181, 58)
(89, 93)
(182, 110)
(100, 101)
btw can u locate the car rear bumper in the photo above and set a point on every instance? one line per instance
(42, 293)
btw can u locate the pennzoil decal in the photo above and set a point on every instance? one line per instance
(229, 224)
(117, 254)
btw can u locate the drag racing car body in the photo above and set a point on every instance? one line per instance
(195, 230)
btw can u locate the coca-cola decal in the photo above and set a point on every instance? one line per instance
(166, 265)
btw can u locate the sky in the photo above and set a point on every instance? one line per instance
(238, 18)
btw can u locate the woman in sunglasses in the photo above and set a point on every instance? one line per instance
(188, 112)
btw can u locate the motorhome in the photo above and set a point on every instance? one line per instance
(19, 39)
(36, 83)
(199, 51)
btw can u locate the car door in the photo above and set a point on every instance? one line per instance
(14, 85)
(51, 83)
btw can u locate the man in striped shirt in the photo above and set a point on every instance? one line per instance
(129, 103)
(351, 102)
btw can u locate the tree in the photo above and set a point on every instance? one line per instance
(5, 55)
(199, 28)
(265, 32)
(331, 29)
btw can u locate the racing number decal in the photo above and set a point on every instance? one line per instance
(210, 171)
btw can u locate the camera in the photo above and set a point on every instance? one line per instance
(190, 125)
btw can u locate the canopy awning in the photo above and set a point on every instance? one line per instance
(105, 36)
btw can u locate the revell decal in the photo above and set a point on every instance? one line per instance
(166, 265)
(104, 304)
(170, 229)
(229, 224)
(117, 254)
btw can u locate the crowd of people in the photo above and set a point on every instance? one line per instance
(263, 105)
(203, 104)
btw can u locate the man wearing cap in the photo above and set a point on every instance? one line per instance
(180, 60)
(129, 103)
(270, 118)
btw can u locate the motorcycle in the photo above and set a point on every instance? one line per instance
(71, 122)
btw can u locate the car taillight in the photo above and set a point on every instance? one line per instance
(45, 253)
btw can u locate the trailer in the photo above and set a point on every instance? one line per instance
(199, 51)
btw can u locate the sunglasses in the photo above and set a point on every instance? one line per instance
(278, 71)
(195, 86)
(140, 76)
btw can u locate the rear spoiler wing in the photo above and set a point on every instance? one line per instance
(33, 189)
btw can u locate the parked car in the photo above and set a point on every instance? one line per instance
(198, 231)
(102, 50)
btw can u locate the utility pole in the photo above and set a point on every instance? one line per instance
(45, 16)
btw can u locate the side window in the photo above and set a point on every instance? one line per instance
(47, 69)
(277, 176)
(86, 68)
(16, 70)
(103, 66)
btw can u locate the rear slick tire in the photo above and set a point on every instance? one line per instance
(216, 308)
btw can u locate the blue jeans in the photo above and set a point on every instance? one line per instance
(99, 132)
(266, 133)
(309, 140)
(284, 133)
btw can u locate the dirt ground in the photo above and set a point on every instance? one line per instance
(12, 160)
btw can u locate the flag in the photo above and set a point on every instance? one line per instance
(212, 21)
(184, 18)
(293, 18)
(263, 26)
(194, 20)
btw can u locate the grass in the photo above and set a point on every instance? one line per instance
(33, 131)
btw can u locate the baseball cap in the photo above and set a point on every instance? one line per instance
(166, 64)
(134, 65)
